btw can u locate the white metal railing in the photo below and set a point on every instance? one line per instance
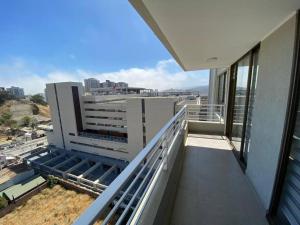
(238, 114)
(206, 112)
(120, 200)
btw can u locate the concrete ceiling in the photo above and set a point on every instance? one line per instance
(213, 33)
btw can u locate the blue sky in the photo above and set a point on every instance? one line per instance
(50, 41)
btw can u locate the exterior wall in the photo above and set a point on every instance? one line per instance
(63, 119)
(67, 113)
(212, 86)
(275, 64)
(134, 126)
(116, 114)
(203, 127)
(158, 111)
(54, 137)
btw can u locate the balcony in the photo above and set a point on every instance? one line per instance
(212, 188)
(180, 178)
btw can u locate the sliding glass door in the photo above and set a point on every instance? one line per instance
(252, 93)
(239, 106)
(242, 96)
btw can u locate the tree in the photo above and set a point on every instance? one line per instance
(26, 120)
(33, 123)
(5, 117)
(35, 109)
(38, 99)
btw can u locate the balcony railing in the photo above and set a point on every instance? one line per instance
(123, 197)
(206, 112)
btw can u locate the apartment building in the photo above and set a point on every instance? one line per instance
(16, 91)
(91, 83)
(114, 126)
(251, 177)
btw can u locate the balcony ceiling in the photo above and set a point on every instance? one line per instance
(197, 31)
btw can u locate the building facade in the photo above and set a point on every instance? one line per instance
(91, 83)
(113, 126)
(16, 91)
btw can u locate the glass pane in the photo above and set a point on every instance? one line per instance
(251, 105)
(239, 101)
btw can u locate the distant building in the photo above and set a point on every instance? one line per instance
(91, 83)
(2, 89)
(16, 91)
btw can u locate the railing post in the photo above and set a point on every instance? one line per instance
(165, 154)
(221, 107)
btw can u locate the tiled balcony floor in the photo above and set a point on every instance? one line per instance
(213, 189)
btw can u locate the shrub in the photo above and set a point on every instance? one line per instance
(35, 109)
(26, 121)
(3, 202)
(5, 117)
(39, 99)
(52, 181)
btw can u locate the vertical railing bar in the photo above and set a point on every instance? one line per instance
(137, 191)
(116, 206)
(133, 213)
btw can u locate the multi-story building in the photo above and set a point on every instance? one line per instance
(113, 126)
(91, 83)
(16, 91)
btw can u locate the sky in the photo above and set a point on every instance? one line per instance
(70, 40)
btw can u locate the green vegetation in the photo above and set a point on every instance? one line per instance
(5, 117)
(26, 120)
(52, 181)
(33, 123)
(38, 99)
(3, 202)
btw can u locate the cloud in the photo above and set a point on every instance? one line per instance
(166, 74)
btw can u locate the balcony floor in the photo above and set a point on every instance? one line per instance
(213, 189)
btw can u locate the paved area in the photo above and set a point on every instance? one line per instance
(213, 189)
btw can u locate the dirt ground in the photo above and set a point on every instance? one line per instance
(44, 110)
(51, 206)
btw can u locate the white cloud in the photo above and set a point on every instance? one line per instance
(166, 74)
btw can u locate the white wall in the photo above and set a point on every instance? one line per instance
(158, 111)
(275, 63)
(54, 137)
(134, 126)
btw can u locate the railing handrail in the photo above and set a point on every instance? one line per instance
(98, 207)
(201, 105)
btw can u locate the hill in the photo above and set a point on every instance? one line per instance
(203, 90)
(20, 108)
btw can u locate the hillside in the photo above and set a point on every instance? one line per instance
(21, 108)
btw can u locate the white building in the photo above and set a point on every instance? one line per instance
(91, 83)
(16, 91)
(113, 126)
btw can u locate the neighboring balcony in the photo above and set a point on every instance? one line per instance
(181, 178)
